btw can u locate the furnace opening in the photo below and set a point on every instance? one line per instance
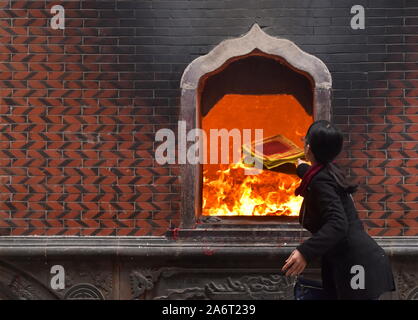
(256, 91)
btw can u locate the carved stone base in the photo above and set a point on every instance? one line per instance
(214, 284)
(156, 268)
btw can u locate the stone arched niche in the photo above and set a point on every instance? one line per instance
(255, 63)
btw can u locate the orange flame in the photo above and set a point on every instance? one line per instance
(227, 191)
(230, 192)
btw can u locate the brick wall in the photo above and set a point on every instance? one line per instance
(79, 107)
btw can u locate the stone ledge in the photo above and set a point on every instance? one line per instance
(155, 247)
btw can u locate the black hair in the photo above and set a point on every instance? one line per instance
(326, 143)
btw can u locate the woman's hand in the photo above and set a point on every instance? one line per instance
(295, 264)
(300, 161)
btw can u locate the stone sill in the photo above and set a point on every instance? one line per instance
(161, 247)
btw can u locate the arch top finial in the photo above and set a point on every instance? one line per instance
(255, 28)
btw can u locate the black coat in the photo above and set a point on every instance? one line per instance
(339, 239)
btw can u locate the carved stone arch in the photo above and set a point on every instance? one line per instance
(256, 38)
(18, 285)
(255, 42)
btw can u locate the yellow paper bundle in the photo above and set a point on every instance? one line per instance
(273, 151)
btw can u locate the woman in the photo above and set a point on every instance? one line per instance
(338, 236)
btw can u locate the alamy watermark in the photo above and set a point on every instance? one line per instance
(58, 278)
(358, 20)
(191, 146)
(58, 20)
(358, 280)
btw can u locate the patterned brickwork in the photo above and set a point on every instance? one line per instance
(79, 107)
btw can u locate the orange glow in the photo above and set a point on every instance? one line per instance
(265, 194)
(227, 191)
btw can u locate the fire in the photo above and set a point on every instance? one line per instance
(227, 191)
(230, 192)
